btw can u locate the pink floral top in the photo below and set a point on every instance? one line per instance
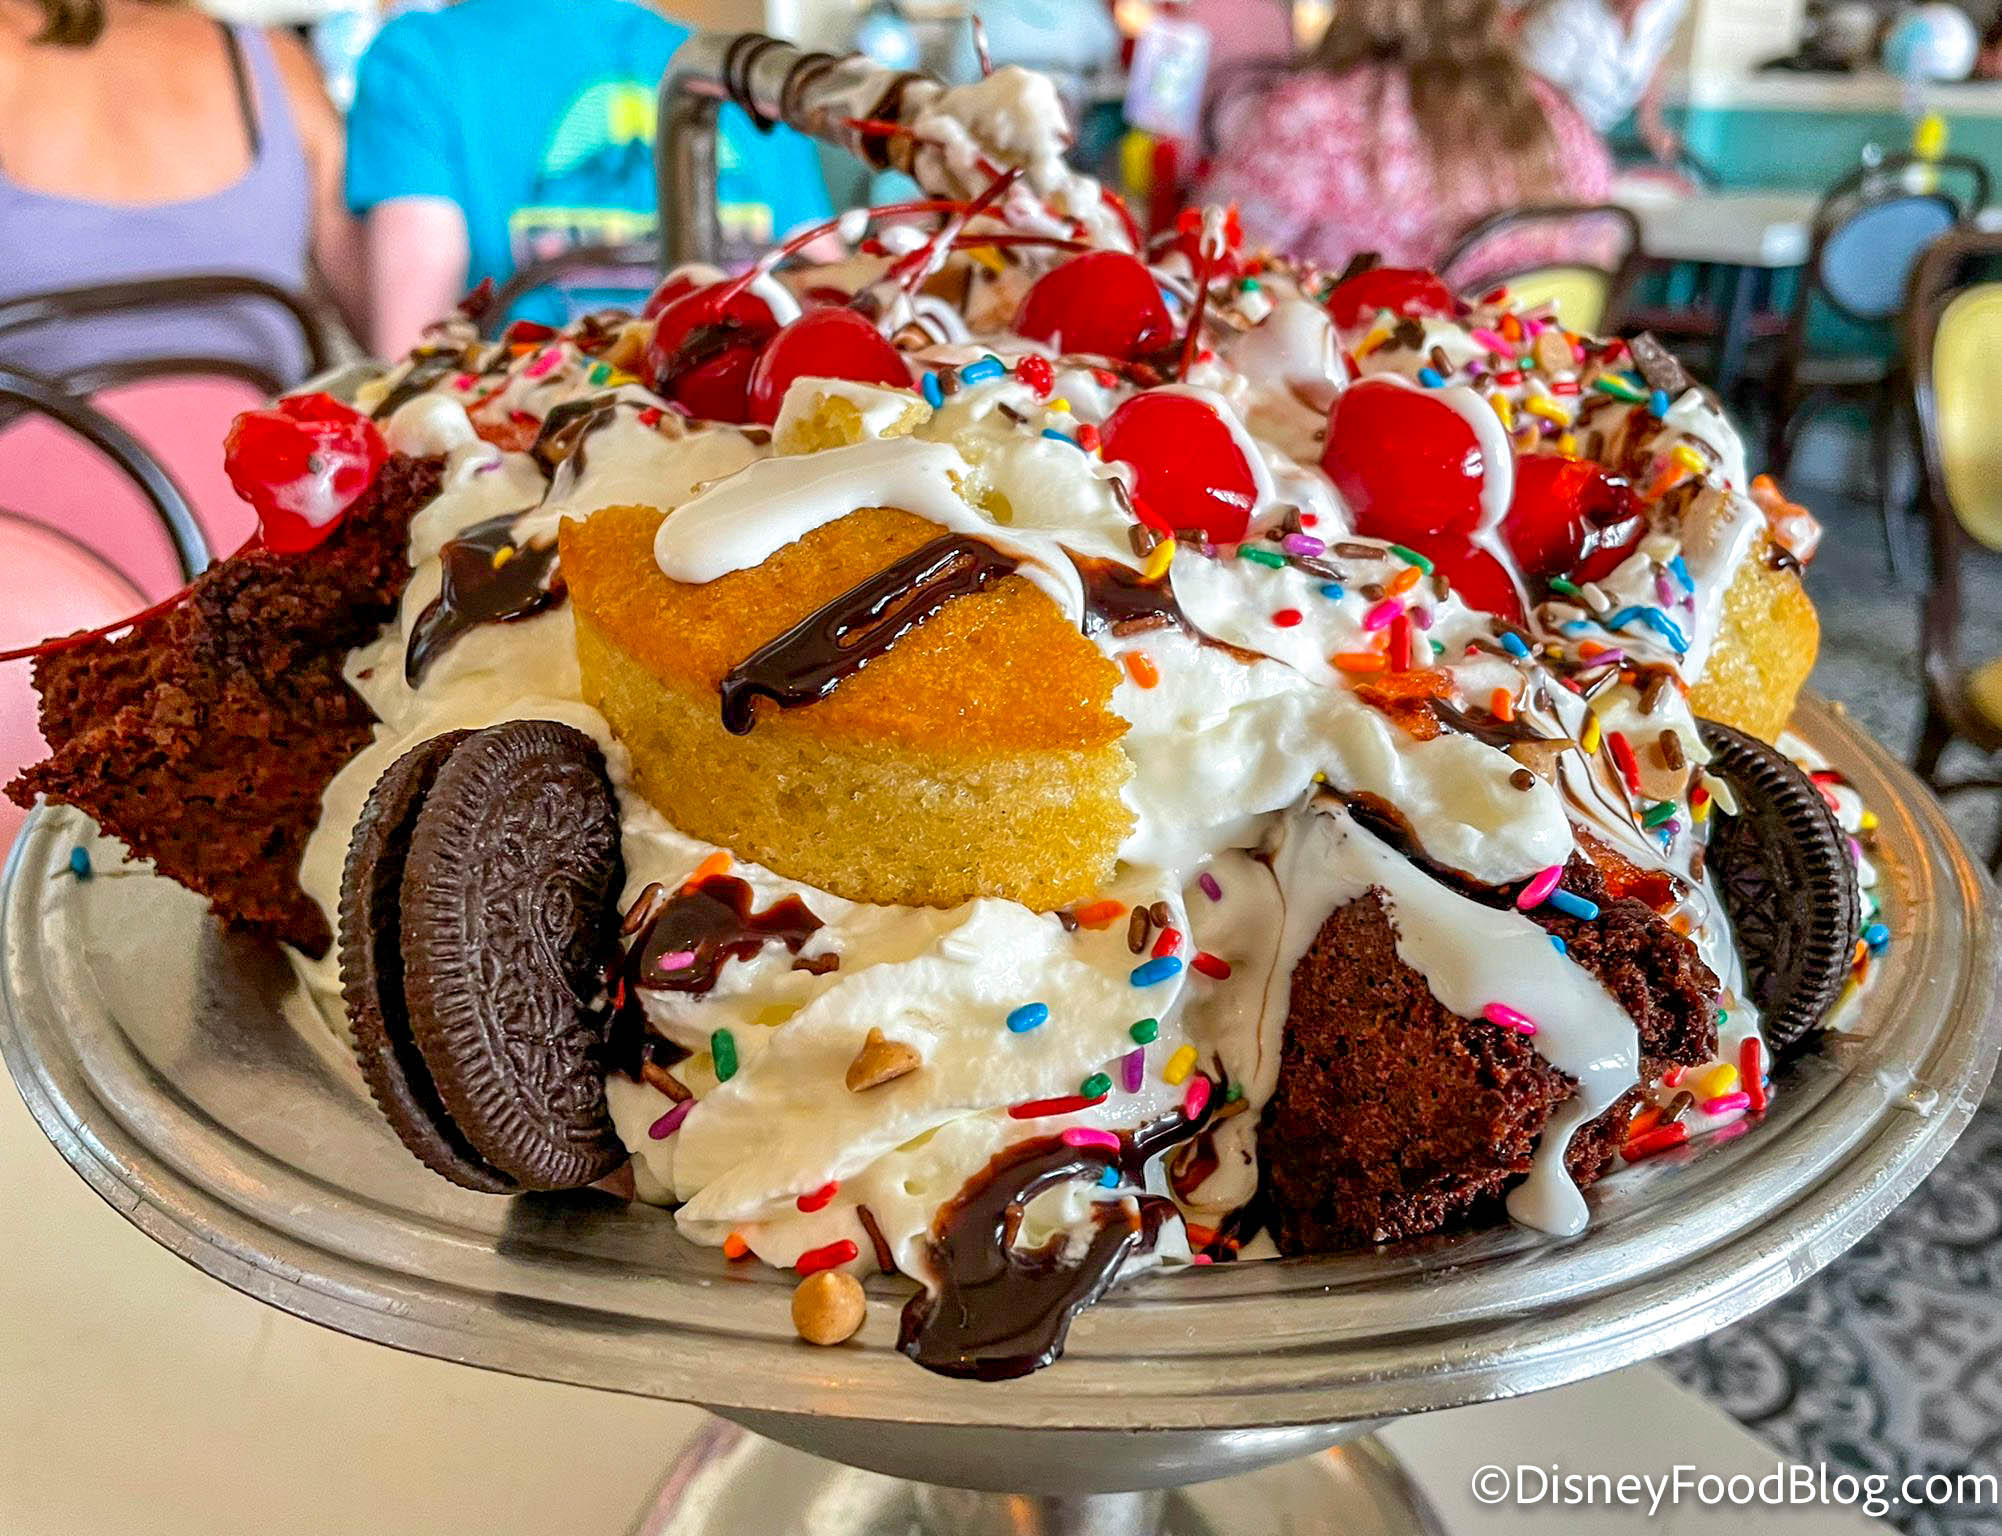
(1296, 163)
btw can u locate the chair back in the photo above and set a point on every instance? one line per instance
(1953, 341)
(585, 277)
(1955, 345)
(67, 465)
(1874, 224)
(179, 407)
(1582, 257)
(54, 585)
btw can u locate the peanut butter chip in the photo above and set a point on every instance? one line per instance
(828, 1307)
(1553, 353)
(880, 1061)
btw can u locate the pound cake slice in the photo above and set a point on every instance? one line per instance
(978, 756)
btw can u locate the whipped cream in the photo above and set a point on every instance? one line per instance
(1244, 731)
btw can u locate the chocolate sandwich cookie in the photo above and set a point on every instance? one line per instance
(1782, 865)
(478, 908)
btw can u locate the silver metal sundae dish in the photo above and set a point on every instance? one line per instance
(183, 1073)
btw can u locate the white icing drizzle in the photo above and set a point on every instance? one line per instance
(745, 520)
(1470, 956)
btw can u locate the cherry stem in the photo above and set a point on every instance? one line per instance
(1043, 242)
(764, 265)
(1205, 263)
(922, 262)
(86, 636)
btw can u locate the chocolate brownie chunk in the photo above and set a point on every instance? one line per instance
(1394, 1117)
(204, 737)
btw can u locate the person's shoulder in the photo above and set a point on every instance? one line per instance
(415, 37)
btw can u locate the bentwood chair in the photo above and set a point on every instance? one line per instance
(1868, 234)
(178, 404)
(583, 277)
(1954, 342)
(1597, 251)
(55, 581)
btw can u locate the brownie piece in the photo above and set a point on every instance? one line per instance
(1394, 1117)
(204, 737)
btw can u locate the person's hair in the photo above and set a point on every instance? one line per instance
(75, 23)
(1470, 91)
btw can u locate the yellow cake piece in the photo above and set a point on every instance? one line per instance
(1767, 638)
(979, 756)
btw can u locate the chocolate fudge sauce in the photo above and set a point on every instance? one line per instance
(811, 659)
(477, 590)
(711, 923)
(1119, 598)
(1002, 1312)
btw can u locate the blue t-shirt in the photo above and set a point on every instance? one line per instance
(537, 118)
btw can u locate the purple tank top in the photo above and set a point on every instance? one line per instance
(257, 226)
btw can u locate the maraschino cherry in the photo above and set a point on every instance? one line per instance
(301, 465)
(1189, 472)
(1103, 302)
(704, 345)
(1407, 292)
(828, 344)
(1570, 517)
(1407, 465)
(1477, 578)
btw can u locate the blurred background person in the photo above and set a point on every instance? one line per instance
(140, 139)
(1410, 121)
(496, 133)
(1610, 57)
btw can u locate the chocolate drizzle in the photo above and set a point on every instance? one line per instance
(710, 923)
(1000, 1312)
(566, 429)
(811, 659)
(482, 586)
(1119, 598)
(428, 366)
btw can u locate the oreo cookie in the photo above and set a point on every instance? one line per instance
(478, 909)
(1782, 865)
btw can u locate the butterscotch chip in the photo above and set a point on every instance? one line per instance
(880, 1061)
(828, 1307)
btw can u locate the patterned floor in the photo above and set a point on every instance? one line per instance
(1891, 1359)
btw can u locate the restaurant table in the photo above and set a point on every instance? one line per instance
(138, 1395)
(1746, 233)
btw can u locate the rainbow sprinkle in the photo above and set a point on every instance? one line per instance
(670, 1122)
(1089, 1136)
(1573, 905)
(1509, 1018)
(1537, 892)
(1155, 971)
(1097, 1086)
(1027, 1017)
(1133, 1070)
(723, 1048)
(1145, 1031)
(1179, 1066)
